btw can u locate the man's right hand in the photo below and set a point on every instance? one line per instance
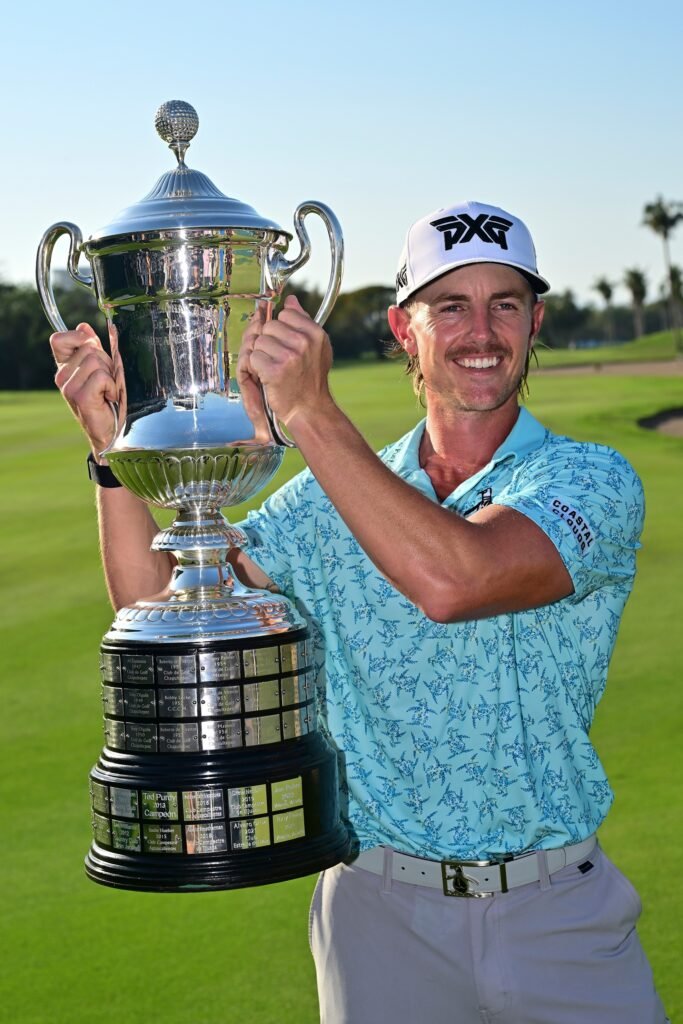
(86, 377)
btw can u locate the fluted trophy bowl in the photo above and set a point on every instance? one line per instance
(214, 774)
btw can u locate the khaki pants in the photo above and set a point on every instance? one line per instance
(562, 953)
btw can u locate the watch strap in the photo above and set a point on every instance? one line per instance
(101, 475)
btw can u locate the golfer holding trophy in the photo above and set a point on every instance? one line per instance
(463, 591)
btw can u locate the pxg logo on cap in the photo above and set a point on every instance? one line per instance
(464, 234)
(464, 228)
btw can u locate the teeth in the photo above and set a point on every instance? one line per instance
(480, 363)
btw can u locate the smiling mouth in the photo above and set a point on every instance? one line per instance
(478, 362)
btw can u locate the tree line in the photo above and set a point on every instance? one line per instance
(357, 325)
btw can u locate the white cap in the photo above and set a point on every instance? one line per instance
(458, 235)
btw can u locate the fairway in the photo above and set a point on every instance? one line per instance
(76, 953)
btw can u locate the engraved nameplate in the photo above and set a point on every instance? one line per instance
(163, 838)
(110, 667)
(124, 802)
(289, 691)
(219, 665)
(139, 703)
(114, 734)
(179, 670)
(263, 661)
(308, 686)
(208, 838)
(265, 729)
(137, 669)
(112, 700)
(221, 735)
(100, 796)
(250, 833)
(177, 703)
(141, 737)
(178, 738)
(293, 657)
(219, 700)
(261, 696)
(247, 801)
(203, 803)
(156, 804)
(294, 723)
(288, 825)
(101, 829)
(125, 835)
(286, 794)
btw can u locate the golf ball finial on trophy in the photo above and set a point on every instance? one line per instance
(214, 774)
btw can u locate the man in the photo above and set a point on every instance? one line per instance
(465, 588)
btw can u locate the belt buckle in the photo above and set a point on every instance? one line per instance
(457, 883)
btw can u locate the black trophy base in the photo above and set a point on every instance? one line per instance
(215, 821)
(261, 867)
(214, 775)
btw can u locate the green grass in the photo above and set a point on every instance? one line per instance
(657, 347)
(76, 953)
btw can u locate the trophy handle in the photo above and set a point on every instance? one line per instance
(43, 261)
(282, 269)
(44, 284)
(334, 233)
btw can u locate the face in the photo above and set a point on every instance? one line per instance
(472, 330)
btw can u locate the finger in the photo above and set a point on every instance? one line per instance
(65, 343)
(291, 302)
(95, 387)
(300, 321)
(90, 355)
(284, 332)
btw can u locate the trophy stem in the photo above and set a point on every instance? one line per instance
(196, 531)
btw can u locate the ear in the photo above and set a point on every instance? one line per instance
(537, 315)
(401, 328)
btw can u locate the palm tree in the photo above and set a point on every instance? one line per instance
(636, 282)
(676, 286)
(604, 287)
(662, 217)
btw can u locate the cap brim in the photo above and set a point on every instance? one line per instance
(539, 284)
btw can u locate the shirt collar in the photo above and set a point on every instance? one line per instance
(526, 435)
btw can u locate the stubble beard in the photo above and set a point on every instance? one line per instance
(449, 401)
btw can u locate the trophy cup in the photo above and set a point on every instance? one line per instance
(214, 774)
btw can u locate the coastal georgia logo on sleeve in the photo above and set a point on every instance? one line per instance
(463, 228)
(575, 521)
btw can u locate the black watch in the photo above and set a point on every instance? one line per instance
(101, 475)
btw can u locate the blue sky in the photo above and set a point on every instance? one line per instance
(569, 115)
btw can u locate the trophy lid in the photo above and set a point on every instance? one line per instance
(182, 197)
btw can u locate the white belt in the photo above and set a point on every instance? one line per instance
(473, 877)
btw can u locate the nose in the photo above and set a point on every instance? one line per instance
(481, 326)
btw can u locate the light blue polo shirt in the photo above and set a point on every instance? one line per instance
(469, 738)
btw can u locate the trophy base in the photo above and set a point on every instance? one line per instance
(263, 867)
(214, 775)
(216, 822)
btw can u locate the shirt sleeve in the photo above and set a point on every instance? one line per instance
(589, 501)
(273, 532)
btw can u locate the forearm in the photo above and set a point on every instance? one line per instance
(127, 530)
(424, 550)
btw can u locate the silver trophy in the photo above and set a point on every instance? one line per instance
(214, 774)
